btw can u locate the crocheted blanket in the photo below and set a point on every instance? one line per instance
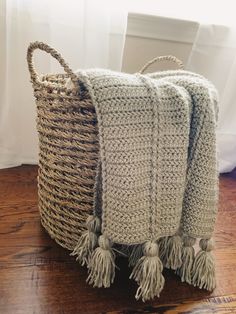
(157, 178)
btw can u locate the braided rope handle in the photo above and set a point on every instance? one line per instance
(35, 76)
(162, 58)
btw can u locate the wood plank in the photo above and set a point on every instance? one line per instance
(38, 276)
(222, 305)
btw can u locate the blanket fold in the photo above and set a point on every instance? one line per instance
(156, 188)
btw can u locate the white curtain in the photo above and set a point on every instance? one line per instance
(91, 33)
(88, 33)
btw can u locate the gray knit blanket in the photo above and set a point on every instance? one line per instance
(157, 179)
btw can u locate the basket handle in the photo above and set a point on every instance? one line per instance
(162, 58)
(34, 75)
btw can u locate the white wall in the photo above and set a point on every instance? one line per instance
(151, 36)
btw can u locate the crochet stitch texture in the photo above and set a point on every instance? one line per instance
(157, 177)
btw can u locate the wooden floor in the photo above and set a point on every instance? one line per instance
(38, 276)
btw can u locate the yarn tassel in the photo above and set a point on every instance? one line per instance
(135, 254)
(162, 248)
(203, 274)
(148, 273)
(88, 240)
(171, 252)
(185, 270)
(102, 264)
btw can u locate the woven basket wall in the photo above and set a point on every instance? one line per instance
(68, 148)
(68, 151)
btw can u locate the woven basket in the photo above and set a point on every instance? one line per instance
(68, 148)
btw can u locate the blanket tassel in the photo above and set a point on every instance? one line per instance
(88, 240)
(171, 251)
(102, 264)
(203, 274)
(148, 273)
(135, 254)
(185, 270)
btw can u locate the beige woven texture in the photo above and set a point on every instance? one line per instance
(68, 151)
(158, 154)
